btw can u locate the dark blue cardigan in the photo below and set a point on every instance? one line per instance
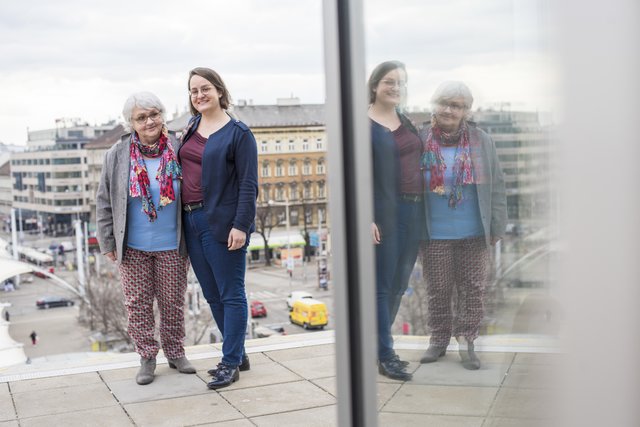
(229, 177)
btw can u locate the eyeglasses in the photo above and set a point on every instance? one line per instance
(452, 106)
(203, 90)
(143, 119)
(393, 83)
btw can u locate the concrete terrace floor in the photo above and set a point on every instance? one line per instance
(291, 383)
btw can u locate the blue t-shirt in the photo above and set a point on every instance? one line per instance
(460, 223)
(160, 235)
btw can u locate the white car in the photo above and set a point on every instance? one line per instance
(295, 296)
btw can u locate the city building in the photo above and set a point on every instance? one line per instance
(292, 146)
(50, 180)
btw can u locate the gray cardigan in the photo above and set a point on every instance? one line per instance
(489, 179)
(111, 199)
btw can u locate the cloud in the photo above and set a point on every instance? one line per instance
(73, 58)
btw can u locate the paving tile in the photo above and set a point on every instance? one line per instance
(55, 382)
(446, 373)
(302, 352)
(515, 422)
(443, 400)
(112, 375)
(182, 411)
(523, 403)
(13, 423)
(165, 385)
(256, 401)
(388, 419)
(259, 374)
(384, 391)
(112, 416)
(326, 416)
(62, 400)
(311, 368)
(6, 404)
(538, 359)
(235, 423)
(531, 376)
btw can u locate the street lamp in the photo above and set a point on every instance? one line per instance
(288, 224)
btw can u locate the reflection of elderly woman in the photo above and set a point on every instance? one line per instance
(139, 225)
(466, 214)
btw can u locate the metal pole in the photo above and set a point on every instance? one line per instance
(79, 257)
(289, 258)
(86, 248)
(14, 241)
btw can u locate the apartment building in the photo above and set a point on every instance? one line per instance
(50, 180)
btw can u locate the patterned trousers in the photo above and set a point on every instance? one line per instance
(161, 275)
(460, 265)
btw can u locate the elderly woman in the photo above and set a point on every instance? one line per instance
(398, 203)
(220, 161)
(139, 227)
(466, 207)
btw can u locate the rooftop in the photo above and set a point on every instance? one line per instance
(291, 383)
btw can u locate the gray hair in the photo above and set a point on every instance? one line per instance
(145, 100)
(452, 89)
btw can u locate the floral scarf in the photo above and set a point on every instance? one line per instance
(434, 161)
(168, 170)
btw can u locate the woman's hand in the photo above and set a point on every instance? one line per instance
(112, 256)
(376, 233)
(236, 240)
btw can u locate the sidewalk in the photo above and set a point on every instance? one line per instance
(291, 383)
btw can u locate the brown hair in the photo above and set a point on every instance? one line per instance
(213, 78)
(378, 73)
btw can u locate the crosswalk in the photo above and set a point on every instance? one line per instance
(264, 295)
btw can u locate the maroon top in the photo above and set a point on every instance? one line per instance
(409, 153)
(191, 160)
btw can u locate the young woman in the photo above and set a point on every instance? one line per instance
(219, 160)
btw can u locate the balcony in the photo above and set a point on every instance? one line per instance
(291, 382)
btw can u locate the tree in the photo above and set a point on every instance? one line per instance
(266, 220)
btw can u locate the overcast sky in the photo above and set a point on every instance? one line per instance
(73, 58)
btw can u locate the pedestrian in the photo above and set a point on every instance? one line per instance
(467, 212)
(6, 315)
(220, 165)
(140, 227)
(398, 206)
(34, 337)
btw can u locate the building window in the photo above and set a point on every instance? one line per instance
(307, 191)
(291, 145)
(279, 168)
(278, 146)
(263, 147)
(305, 146)
(306, 168)
(265, 169)
(319, 143)
(320, 167)
(293, 191)
(321, 192)
(308, 216)
(293, 168)
(280, 193)
(293, 216)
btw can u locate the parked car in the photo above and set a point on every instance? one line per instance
(48, 302)
(258, 309)
(309, 313)
(295, 296)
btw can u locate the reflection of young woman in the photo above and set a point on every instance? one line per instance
(467, 213)
(398, 203)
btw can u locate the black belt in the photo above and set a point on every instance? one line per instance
(190, 207)
(415, 198)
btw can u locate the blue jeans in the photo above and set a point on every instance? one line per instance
(221, 275)
(410, 220)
